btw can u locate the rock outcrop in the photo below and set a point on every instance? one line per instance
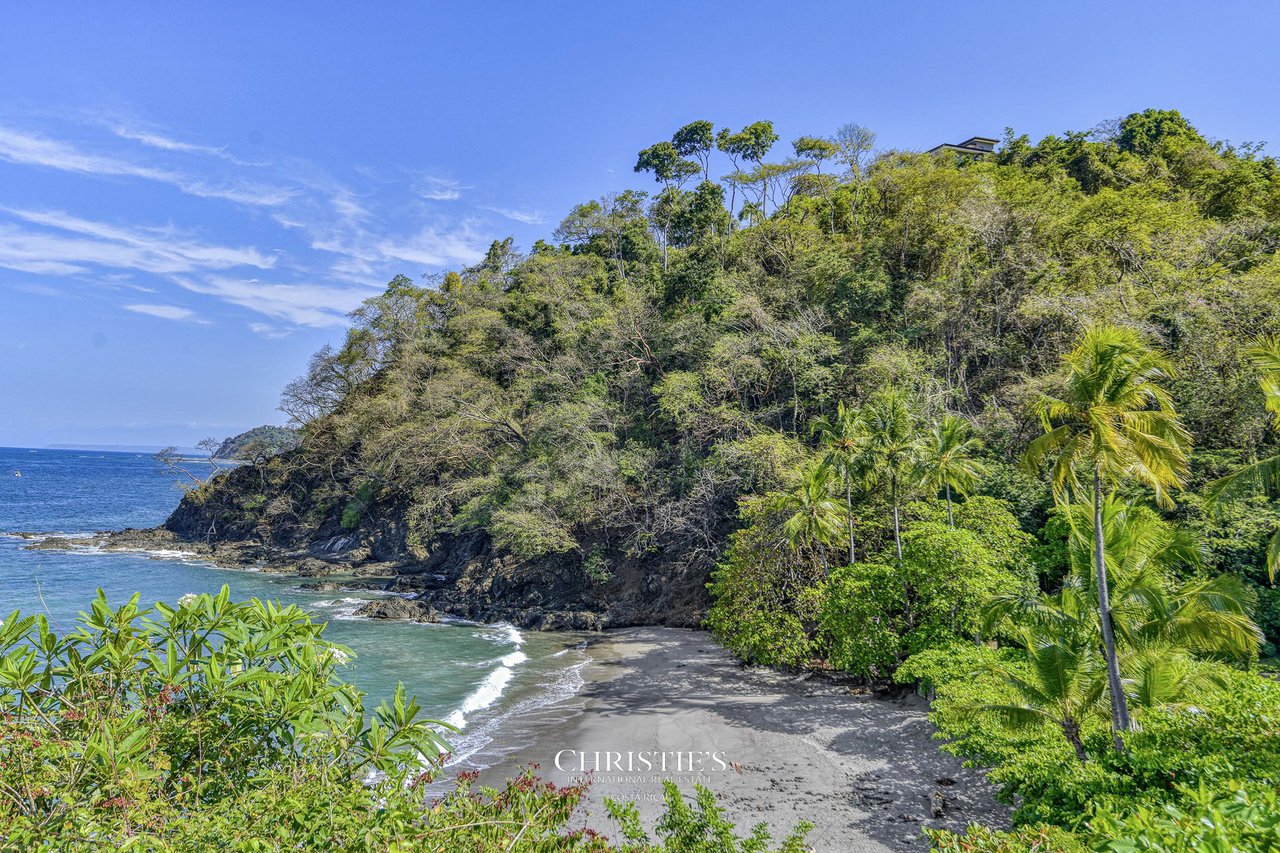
(458, 574)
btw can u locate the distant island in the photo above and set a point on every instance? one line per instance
(125, 448)
(258, 443)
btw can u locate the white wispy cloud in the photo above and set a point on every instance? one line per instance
(317, 305)
(269, 331)
(367, 258)
(164, 143)
(438, 189)
(434, 247)
(357, 231)
(38, 290)
(240, 192)
(31, 150)
(348, 207)
(72, 243)
(27, 252)
(528, 217)
(166, 312)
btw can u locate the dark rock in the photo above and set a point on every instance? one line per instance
(332, 586)
(937, 804)
(568, 620)
(400, 609)
(313, 568)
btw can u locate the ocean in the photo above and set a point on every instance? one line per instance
(491, 680)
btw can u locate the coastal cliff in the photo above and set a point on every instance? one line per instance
(458, 574)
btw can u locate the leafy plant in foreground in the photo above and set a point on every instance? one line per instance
(184, 705)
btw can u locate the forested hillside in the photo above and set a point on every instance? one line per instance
(257, 443)
(575, 428)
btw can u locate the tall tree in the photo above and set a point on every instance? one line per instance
(752, 144)
(841, 438)
(613, 227)
(815, 519)
(816, 150)
(697, 140)
(1264, 474)
(890, 449)
(1114, 420)
(673, 172)
(949, 458)
(856, 143)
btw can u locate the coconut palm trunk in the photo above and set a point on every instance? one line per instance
(950, 518)
(897, 530)
(1119, 705)
(1071, 729)
(848, 501)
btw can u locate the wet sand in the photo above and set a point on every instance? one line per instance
(775, 747)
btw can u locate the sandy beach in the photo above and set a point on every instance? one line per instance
(666, 703)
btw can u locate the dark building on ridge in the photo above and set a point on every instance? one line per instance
(976, 146)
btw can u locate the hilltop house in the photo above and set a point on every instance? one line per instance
(978, 146)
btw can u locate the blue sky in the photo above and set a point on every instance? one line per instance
(193, 195)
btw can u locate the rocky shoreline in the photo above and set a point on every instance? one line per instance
(422, 595)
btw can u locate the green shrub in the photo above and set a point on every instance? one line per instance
(981, 839)
(213, 725)
(1231, 733)
(358, 505)
(765, 595)
(874, 615)
(699, 827)
(861, 619)
(1237, 818)
(134, 719)
(951, 575)
(993, 522)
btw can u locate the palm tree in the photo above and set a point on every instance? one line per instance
(1264, 353)
(890, 448)
(815, 519)
(1165, 677)
(840, 436)
(1063, 680)
(1116, 421)
(1063, 684)
(1150, 608)
(949, 459)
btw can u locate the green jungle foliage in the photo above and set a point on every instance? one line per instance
(1021, 411)
(257, 444)
(587, 393)
(216, 725)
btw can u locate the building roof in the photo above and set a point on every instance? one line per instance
(972, 145)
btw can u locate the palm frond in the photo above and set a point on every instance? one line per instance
(1264, 354)
(1249, 479)
(1018, 716)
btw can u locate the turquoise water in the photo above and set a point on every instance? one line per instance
(487, 678)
